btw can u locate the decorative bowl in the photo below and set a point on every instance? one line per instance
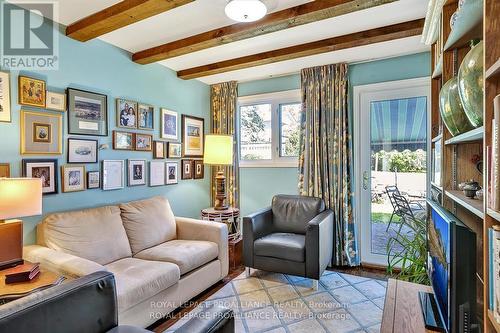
(471, 85)
(451, 109)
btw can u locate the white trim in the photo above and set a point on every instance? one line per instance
(362, 93)
(275, 99)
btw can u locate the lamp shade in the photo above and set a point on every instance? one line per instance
(218, 149)
(20, 197)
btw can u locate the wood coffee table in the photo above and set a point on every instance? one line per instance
(13, 291)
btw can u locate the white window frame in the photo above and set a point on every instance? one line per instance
(275, 99)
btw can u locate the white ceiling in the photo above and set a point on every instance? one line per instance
(203, 15)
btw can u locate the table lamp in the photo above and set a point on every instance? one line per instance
(219, 151)
(19, 197)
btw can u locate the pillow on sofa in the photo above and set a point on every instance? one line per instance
(95, 234)
(148, 222)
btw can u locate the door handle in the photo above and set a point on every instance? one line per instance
(366, 178)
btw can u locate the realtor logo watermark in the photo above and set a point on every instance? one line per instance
(29, 35)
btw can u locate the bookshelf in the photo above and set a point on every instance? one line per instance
(457, 152)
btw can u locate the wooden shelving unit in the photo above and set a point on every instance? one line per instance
(474, 206)
(457, 152)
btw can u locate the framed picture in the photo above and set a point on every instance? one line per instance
(5, 115)
(158, 149)
(143, 142)
(82, 151)
(123, 140)
(174, 150)
(172, 169)
(187, 169)
(55, 101)
(192, 136)
(156, 173)
(126, 113)
(41, 133)
(93, 180)
(87, 113)
(31, 91)
(136, 172)
(199, 169)
(113, 172)
(73, 178)
(46, 170)
(146, 117)
(4, 170)
(169, 125)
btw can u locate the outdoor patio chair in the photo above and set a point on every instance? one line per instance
(413, 205)
(409, 216)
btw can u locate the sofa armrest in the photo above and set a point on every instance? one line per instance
(255, 226)
(60, 262)
(319, 244)
(192, 229)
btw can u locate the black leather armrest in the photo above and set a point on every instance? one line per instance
(214, 319)
(86, 304)
(319, 243)
(255, 226)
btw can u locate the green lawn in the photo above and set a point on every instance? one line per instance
(384, 218)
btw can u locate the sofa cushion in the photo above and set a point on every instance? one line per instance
(95, 234)
(285, 246)
(187, 254)
(148, 222)
(138, 280)
(291, 213)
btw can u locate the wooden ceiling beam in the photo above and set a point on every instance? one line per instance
(383, 34)
(118, 16)
(284, 19)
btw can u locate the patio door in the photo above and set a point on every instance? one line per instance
(390, 149)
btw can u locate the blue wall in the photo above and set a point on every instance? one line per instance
(258, 185)
(102, 68)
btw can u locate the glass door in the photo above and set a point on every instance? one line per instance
(392, 131)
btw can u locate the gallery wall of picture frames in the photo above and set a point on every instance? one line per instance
(41, 134)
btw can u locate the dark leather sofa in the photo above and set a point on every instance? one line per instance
(88, 305)
(294, 236)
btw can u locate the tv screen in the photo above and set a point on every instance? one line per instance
(439, 261)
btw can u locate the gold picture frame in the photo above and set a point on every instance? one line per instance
(4, 170)
(32, 92)
(31, 147)
(73, 178)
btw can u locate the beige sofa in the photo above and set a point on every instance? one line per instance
(159, 261)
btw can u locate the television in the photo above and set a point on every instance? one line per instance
(452, 271)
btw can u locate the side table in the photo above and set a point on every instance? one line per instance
(235, 253)
(13, 291)
(230, 217)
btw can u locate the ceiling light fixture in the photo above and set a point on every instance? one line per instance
(246, 10)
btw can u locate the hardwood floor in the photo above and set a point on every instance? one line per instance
(163, 324)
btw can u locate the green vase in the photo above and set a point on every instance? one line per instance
(471, 85)
(451, 109)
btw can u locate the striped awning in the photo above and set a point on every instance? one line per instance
(399, 121)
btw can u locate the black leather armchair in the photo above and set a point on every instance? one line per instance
(88, 305)
(294, 236)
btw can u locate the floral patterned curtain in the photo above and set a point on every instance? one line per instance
(325, 153)
(224, 99)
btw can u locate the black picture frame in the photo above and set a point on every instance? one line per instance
(88, 180)
(70, 94)
(96, 160)
(27, 161)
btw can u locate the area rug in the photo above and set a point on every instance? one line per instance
(279, 303)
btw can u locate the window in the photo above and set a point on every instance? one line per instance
(270, 129)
